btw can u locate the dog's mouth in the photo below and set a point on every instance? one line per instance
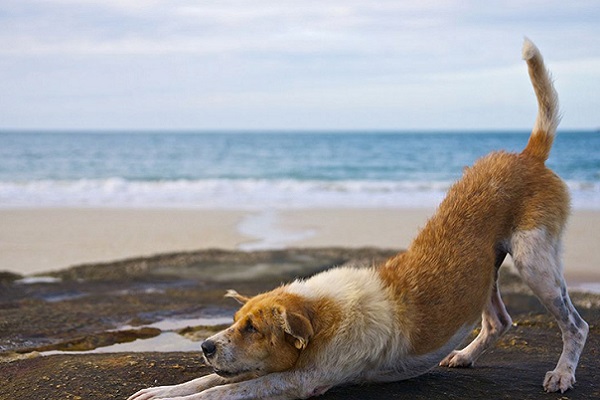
(219, 371)
(227, 374)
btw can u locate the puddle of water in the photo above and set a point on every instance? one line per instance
(30, 280)
(176, 324)
(167, 341)
(150, 290)
(57, 297)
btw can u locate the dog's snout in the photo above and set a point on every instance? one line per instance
(209, 348)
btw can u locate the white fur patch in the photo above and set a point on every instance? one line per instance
(529, 50)
(537, 257)
(411, 366)
(369, 334)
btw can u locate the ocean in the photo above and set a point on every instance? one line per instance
(272, 170)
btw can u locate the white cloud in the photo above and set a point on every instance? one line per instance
(66, 26)
(287, 60)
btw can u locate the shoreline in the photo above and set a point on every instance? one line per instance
(38, 240)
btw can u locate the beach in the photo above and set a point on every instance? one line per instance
(39, 240)
(116, 250)
(34, 241)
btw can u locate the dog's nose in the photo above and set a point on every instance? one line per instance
(209, 348)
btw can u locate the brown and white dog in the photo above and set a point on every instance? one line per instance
(400, 319)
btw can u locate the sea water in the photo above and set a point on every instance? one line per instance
(270, 170)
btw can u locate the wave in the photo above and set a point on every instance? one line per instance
(244, 194)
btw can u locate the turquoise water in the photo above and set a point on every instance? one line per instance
(265, 170)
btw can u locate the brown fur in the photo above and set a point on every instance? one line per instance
(454, 256)
(501, 194)
(284, 325)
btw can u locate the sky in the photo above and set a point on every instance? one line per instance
(292, 65)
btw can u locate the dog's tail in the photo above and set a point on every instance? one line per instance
(548, 115)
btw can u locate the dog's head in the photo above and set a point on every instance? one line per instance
(268, 334)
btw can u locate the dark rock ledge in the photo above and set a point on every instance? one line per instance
(97, 305)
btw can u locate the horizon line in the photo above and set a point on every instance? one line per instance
(284, 131)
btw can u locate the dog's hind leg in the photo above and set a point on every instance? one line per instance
(494, 322)
(537, 257)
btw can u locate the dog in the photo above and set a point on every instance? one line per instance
(400, 319)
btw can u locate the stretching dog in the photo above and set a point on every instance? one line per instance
(397, 321)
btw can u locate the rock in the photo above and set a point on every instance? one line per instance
(83, 308)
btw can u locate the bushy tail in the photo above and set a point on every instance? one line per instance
(548, 117)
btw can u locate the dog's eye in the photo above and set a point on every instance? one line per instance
(250, 328)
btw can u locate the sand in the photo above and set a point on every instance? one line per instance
(396, 228)
(39, 240)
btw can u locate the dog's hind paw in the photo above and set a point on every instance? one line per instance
(457, 359)
(558, 380)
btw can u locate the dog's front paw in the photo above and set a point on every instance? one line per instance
(146, 394)
(155, 393)
(457, 359)
(558, 380)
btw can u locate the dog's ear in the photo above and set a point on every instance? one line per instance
(236, 296)
(298, 327)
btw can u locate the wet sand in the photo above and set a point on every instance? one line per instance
(40, 240)
(396, 228)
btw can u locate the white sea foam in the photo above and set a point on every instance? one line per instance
(247, 194)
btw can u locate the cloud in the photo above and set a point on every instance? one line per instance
(358, 61)
(262, 27)
(159, 27)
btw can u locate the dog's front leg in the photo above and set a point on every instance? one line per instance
(277, 386)
(184, 389)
